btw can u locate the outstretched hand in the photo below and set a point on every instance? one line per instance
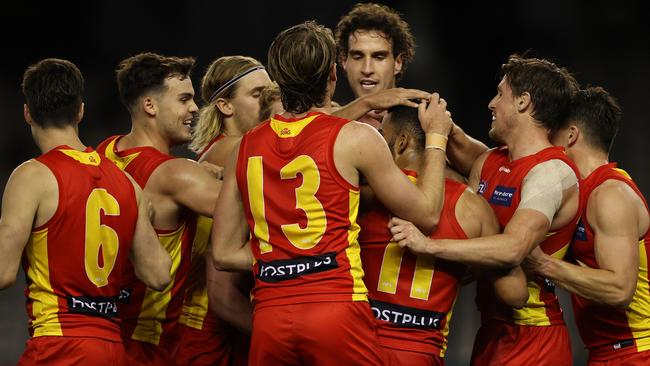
(434, 117)
(392, 97)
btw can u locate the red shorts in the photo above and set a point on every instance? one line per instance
(323, 333)
(58, 350)
(500, 343)
(241, 344)
(202, 347)
(632, 359)
(147, 354)
(398, 357)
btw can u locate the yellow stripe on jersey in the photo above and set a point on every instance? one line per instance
(121, 161)
(195, 307)
(154, 304)
(623, 173)
(88, 158)
(45, 305)
(638, 312)
(423, 277)
(360, 293)
(255, 186)
(445, 330)
(534, 312)
(290, 129)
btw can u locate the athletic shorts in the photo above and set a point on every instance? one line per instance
(147, 354)
(506, 344)
(398, 357)
(210, 347)
(323, 333)
(241, 344)
(630, 359)
(64, 351)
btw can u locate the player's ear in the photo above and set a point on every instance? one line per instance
(399, 64)
(573, 135)
(332, 76)
(523, 101)
(402, 143)
(224, 107)
(27, 115)
(149, 106)
(80, 113)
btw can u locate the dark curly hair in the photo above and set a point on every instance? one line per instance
(380, 18)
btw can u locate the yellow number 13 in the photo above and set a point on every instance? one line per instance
(100, 237)
(302, 238)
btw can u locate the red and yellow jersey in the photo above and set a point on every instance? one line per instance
(500, 184)
(411, 296)
(607, 331)
(194, 313)
(75, 262)
(149, 315)
(301, 211)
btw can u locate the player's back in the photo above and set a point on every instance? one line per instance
(301, 211)
(76, 260)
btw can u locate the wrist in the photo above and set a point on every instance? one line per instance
(435, 140)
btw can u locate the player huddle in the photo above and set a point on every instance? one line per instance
(303, 237)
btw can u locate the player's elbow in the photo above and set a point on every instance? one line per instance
(621, 297)
(512, 258)
(428, 224)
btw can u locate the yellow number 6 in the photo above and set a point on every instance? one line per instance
(99, 236)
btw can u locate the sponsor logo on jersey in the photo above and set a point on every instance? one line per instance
(502, 196)
(504, 169)
(286, 269)
(98, 306)
(624, 343)
(404, 316)
(549, 285)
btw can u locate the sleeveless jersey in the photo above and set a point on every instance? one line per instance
(500, 184)
(74, 263)
(301, 212)
(148, 315)
(607, 331)
(411, 296)
(195, 312)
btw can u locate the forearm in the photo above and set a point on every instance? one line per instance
(463, 150)
(599, 285)
(228, 302)
(495, 251)
(431, 183)
(239, 258)
(353, 110)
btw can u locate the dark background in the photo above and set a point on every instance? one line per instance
(460, 49)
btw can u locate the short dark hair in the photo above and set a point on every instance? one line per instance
(551, 87)
(147, 72)
(598, 114)
(380, 18)
(300, 59)
(53, 90)
(406, 120)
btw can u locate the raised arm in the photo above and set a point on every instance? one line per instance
(369, 154)
(151, 262)
(381, 100)
(463, 150)
(613, 213)
(20, 202)
(230, 246)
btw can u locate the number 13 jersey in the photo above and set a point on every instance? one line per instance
(301, 212)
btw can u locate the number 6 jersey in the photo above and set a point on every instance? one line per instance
(74, 262)
(301, 211)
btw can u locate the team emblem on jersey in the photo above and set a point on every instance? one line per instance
(482, 187)
(580, 233)
(502, 196)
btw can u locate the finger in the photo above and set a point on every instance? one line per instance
(397, 221)
(397, 237)
(435, 98)
(408, 103)
(416, 94)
